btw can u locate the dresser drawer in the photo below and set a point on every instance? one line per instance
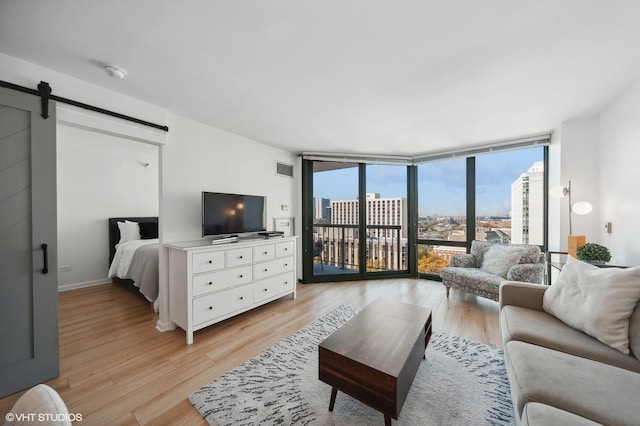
(215, 305)
(264, 252)
(272, 267)
(209, 261)
(284, 249)
(216, 281)
(273, 286)
(239, 257)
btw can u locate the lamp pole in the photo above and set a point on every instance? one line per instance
(569, 194)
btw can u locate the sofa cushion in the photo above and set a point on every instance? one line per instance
(541, 414)
(598, 301)
(594, 390)
(542, 329)
(500, 258)
(634, 332)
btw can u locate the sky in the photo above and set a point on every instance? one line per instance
(441, 185)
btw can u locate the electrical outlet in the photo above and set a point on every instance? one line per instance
(284, 207)
(607, 227)
(66, 268)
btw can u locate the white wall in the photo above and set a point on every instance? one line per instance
(579, 163)
(203, 158)
(619, 152)
(99, 176)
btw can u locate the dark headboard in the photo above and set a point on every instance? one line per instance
(114, 232)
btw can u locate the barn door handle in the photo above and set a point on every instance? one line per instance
(45, 269)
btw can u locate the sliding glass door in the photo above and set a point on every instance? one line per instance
(334, 230)
(356, 222)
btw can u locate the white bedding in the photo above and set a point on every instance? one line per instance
(124, 255)
(143, 269)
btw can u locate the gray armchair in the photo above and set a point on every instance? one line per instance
(480, 272)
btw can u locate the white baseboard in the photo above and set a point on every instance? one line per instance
(74, 286)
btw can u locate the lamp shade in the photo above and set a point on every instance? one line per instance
(559, 191)
(581, 208)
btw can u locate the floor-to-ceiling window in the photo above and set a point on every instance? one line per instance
(510, 197)
(442, 213)
(494, 196)
(362, 220)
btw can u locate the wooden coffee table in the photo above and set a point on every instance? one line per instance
(375, 355)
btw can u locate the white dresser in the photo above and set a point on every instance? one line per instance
(210, 283)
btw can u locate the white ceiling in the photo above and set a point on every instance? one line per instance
(367, 76)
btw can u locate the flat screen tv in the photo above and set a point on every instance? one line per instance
(232, 214)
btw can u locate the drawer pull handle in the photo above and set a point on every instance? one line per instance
(266, 289)
(210, 283)
(286, 282)
(241, 257)
(210, 308)
(211, 261)
(241, 297)
(241, 275)
(265, 270)
(286, 264)
(266, 252)
(286, 248)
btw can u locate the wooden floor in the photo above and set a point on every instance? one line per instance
(116, 368)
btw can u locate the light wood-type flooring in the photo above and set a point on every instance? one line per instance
(117, 369)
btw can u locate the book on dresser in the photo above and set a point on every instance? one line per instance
(210, 283)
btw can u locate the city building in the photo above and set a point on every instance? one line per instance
(321, 210)
(380, 212)
(527, 206)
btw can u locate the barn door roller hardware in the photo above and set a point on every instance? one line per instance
(44, 91)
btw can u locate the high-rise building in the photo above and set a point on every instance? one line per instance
(320, 210)
(379, 211)
(527, 206)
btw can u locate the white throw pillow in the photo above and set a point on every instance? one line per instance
(129, 231)
(597, 301)
(500, 258)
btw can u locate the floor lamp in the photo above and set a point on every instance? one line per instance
(580, 208)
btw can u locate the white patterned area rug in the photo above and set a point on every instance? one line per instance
(460, 383)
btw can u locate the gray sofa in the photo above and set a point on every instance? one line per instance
(560, 375)
(470, 272)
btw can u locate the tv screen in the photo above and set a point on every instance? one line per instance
(232, 214)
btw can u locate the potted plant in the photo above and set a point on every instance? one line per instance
(593, 253)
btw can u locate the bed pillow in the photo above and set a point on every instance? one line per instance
(148, 230)
(129, 231)
(500, 258)
(597, 301)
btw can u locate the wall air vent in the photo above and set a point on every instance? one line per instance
(283, 169)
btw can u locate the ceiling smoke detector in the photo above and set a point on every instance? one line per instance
(115, 71)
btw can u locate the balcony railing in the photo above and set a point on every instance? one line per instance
(340, 247)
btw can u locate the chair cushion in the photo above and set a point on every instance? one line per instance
(472, 280)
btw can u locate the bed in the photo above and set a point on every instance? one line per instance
(133, 254)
